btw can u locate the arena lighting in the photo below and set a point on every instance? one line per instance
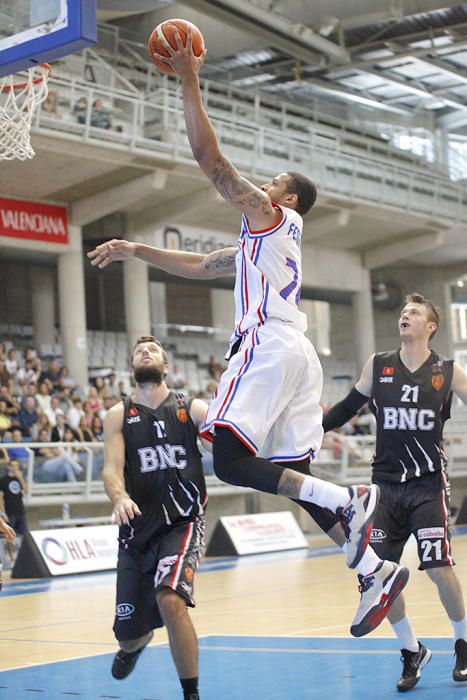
(460, 283)
(326, 25)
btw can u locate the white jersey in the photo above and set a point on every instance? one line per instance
(269, 274)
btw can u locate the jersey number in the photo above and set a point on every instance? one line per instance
(427, 546)
(407, 390)
(287, 291)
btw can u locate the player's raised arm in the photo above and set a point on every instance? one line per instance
(124, 509)
(234, 188)
(176, 262)
(344, 410)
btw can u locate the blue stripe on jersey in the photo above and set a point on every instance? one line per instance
(242, 372)
(265, 304)
(296, 458)
(235, 429)
(257, 253)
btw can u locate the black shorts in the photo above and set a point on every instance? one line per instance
(419, 507)
(18, 523)
(170, 561)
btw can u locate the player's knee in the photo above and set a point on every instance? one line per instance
(170, 605)
(441, 574)
(228, 452)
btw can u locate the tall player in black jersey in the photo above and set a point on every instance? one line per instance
(153, 475)
(410, 392)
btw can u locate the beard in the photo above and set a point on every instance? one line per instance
(148, 375)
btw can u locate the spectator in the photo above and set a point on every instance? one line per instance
(112, 386)
(93, 399)
(50, 104)
(97, 428)
(51, 412)
(5, 376)
(66, 382)
(101, 387)
(43, 397)
(12, 406)
(84, 432)
(12, 488)
(176, 379)
(109, 401)
(100, 117)
(63, 466)
(11, 362)
(42, 424)
(75, 414)
(59, 429)
(2, 350)
(26, 374)
(5, 420)
(80, 110)
(16, 451)
(27, 416)
(88, 413)
(30, 353)
(52, 375)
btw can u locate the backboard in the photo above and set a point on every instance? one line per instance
(40, 31)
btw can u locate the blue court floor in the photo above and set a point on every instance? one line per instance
(247, 668)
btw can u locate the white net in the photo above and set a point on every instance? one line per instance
(19, 96)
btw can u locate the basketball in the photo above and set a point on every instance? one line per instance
(166, 28)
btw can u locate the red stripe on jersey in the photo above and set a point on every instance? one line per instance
(277, 207)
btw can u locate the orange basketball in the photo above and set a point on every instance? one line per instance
(166, 28)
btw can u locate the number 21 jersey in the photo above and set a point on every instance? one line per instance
(410, 410)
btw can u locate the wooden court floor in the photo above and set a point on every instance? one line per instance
(301, 595)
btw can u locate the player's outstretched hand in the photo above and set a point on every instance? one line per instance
(110, 251)
(7, 530)
(124, 510)
(182, 59)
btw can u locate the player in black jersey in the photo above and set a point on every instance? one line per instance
(8, 532)
(153, 475)
(409, 392)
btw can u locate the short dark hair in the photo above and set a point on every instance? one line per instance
(304, 189)
(434, 312)
(150, 339)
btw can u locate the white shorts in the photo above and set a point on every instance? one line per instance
(269, 395)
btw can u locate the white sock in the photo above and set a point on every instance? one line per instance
(323, 493)
(460, 629)
(405, 634)
(368, 562)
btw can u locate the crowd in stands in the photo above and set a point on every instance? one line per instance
(40, 402)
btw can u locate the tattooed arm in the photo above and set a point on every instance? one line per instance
(234, 188)
(193, 265)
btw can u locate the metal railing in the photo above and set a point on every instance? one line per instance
(261, 140)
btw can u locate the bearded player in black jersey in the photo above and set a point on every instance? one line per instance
(153, 475)
(410, 392)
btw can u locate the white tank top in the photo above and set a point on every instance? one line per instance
(269, 274)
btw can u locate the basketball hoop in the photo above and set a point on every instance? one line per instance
(18, 101)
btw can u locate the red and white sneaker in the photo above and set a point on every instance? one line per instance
(357, 520)
(378, 591)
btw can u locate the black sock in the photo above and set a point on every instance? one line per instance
(190, 688)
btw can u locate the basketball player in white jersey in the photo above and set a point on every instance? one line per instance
(265, 414)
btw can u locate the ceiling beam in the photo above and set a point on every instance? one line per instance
(88, 209)
(325, 225)
(386, 254)
(292, 37)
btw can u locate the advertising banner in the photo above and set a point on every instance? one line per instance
(78, 549)
(33, 221)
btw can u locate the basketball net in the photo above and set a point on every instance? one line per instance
(18, 101)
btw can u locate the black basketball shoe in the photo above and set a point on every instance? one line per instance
(460, 669)
(124, 661)
(413, 662)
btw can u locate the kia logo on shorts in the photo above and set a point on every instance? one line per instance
(125, 609)
(377, 535)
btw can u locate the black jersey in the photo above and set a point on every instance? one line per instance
(12, 495)
(410, 410)
(163, 469)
